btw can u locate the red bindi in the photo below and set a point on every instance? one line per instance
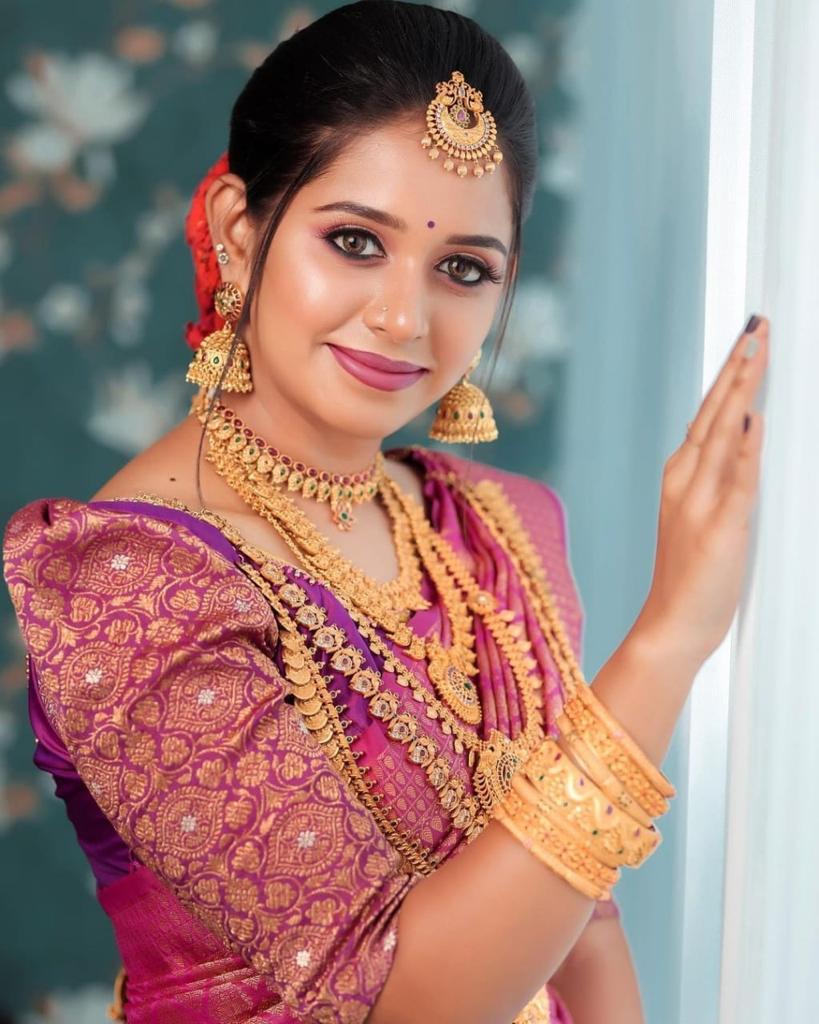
(430, 223)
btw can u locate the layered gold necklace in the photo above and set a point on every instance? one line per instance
(386, 607)
(389, 604)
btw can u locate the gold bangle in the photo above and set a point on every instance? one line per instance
(616, 749)
(613, 843)
(654, 776)
(564, 783)
(524, 788)
(551, 848)
(574, 746)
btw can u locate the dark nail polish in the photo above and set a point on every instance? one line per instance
(752, 324)
(746, 423)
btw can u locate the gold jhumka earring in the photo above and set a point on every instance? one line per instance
(464, 415)
(208, 362)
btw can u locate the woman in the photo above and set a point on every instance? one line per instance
(316, 710)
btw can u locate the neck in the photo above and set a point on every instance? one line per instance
(302, 439)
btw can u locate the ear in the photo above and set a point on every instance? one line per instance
(226, 209)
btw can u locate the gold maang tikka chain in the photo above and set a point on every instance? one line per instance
(270, 466)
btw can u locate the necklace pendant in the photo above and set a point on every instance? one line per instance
(455, 688)
(342, 513)
(497, 763)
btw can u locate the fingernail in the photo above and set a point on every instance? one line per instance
(751, 347)
(746, 423)
(752, 324)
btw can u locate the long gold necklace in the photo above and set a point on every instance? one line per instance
(494, 759)
(388, 604)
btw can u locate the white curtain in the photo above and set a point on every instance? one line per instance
(770, 953)
(698, 203)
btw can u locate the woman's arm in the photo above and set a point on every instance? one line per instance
(597, 979)
(479, 937)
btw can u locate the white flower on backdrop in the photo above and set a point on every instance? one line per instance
(79, 101)
(196, 42)
(130, 410)
(130, 305)
(64, 308)
(131, 301)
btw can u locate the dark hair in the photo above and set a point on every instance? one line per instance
(354, 69)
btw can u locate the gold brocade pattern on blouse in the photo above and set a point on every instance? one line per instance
(153, 658)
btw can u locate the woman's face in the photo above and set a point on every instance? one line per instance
(384, 226)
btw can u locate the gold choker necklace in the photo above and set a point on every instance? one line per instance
(267, 465)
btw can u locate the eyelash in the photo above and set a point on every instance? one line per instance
(488, 273)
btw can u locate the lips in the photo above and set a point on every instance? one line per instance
(377, 371)
(381, 362)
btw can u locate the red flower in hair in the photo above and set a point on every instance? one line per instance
(206, 269)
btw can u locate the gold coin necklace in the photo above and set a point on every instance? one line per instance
(496, 758)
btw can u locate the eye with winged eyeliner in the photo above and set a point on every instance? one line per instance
(487, 272)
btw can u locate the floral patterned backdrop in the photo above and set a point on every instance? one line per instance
(110, 112)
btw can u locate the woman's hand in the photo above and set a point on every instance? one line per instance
(709, 491)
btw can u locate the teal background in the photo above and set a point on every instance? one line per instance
(110, 112)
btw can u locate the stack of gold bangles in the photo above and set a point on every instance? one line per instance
(583, 803)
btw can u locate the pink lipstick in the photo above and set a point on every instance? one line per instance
(377, 371)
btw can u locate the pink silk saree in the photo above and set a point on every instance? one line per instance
(253, 859)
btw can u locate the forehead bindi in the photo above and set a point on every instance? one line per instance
(430, 223)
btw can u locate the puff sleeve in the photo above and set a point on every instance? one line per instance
(154, 660)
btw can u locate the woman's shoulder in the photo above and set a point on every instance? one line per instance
(148, 502)
(79, 530)
(68, 563)
(104, 595)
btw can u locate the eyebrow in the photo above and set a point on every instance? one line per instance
(397, 224)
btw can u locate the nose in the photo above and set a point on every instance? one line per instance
(399, 314)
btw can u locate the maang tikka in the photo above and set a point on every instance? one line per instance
(464, 415)
(458, 124)
(209, 360)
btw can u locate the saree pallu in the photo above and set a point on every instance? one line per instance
(251, 849)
